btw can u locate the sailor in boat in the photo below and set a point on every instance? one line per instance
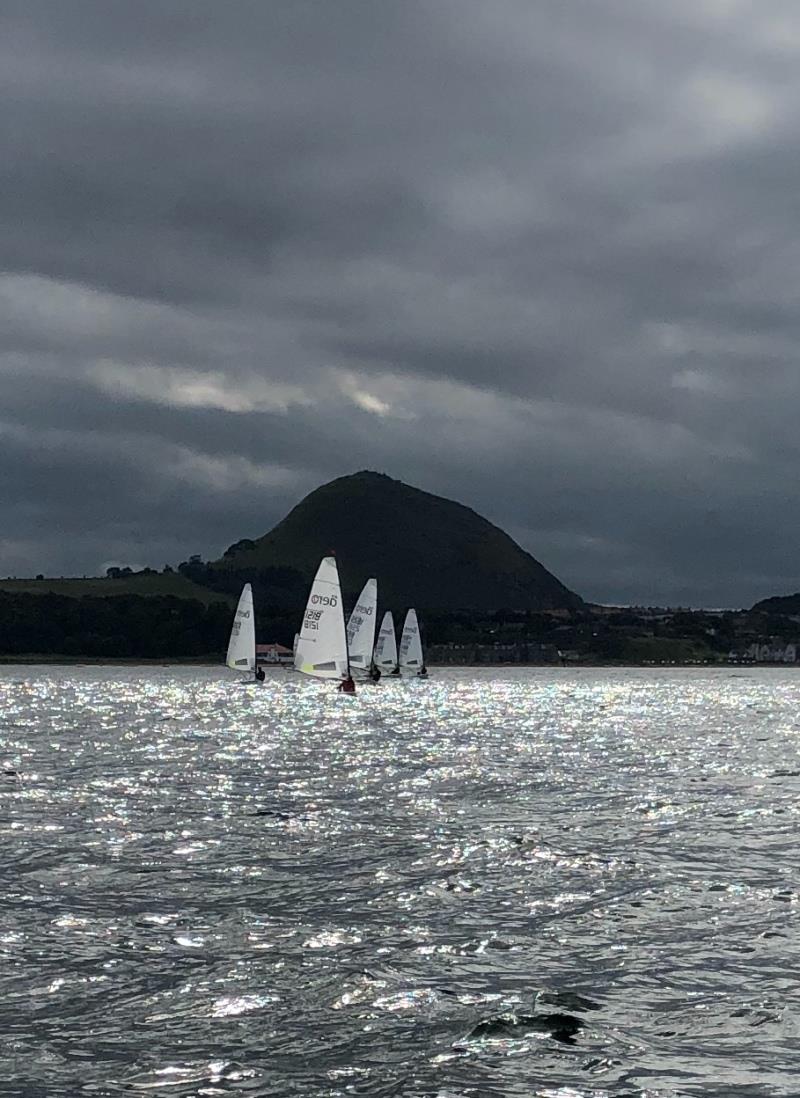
(423, 672)
(260, 675)
(374, 673)
(347, 686)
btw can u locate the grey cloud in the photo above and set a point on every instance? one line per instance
(538, 258)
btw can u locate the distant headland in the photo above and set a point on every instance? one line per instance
(482, 598)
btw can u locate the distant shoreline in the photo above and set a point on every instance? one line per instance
(207, 661)
(110, 661)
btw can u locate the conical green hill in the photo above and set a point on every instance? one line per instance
(425, 551)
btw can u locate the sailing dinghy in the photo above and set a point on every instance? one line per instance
(242, 644)
(385, 655)
(322, 642)
(411, 659)
(361, 630)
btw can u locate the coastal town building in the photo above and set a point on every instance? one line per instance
(273, 653)
(765, 652)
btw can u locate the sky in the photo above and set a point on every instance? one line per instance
(539, 256)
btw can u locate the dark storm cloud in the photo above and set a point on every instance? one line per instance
(540, 258)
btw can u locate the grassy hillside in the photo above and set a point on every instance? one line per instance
(146, 585)
(136, 616)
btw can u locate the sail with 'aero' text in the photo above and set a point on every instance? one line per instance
(410, 644)
(361, 629)
(385, 657)
(322, 642)
(242, 644)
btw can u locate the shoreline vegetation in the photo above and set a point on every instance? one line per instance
(33, 660)
(209, 661)
(141, 618)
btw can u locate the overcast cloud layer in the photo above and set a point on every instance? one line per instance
(539, 257)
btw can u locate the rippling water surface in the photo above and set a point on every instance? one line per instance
(555, 883)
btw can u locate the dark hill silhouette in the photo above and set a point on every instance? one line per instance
(425, 551)
(779, 604)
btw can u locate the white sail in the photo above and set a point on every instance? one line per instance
(385, 657)
(361, 628)
(322, 644)
(410, 644)
(242, 645)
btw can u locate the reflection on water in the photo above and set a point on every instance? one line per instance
(558, 883)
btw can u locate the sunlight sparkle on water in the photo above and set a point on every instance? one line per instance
(394, 893)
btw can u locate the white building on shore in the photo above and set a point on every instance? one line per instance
(772, 652)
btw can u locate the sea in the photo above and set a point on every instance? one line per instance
(539, 883)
